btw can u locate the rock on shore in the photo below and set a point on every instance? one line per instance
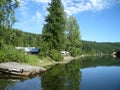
(20, 69)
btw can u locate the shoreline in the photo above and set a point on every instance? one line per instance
(27, 70)
(66, 59)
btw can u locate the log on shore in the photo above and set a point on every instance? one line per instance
(14, 68)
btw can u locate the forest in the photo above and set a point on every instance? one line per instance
(17, 38)
(100, 47)
(59, 33)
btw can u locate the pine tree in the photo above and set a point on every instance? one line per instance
(53, 30)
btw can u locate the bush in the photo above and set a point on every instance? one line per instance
(55, 55)
(11, 54)
(44, 49)
(118, 54)
(75, 51)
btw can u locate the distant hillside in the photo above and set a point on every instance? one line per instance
(15, 37)
(96, 47)
(116, 44)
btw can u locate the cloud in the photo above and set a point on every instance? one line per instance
(77, 6)
(23, 7)
(33, 24)
(37, 17)
(41, 1)
(74, 6)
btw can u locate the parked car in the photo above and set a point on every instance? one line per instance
(65, 52)
(32, 50)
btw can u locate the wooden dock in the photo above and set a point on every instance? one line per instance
(18, 69)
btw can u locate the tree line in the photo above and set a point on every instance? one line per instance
(100, 48)
(18, 38)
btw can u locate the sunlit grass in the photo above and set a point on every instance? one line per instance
(38, 61)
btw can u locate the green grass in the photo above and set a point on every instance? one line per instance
(37, 61)
(33, 59)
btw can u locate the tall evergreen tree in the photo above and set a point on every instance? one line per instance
(53, 30)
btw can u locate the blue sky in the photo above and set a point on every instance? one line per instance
(99, 20)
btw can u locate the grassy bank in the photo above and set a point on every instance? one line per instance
(9, 54)
(37, 61)
(45, 62)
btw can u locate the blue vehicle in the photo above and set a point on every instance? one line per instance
(32, 50)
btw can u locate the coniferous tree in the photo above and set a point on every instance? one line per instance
(53, 30)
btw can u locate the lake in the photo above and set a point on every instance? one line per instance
(88, 73)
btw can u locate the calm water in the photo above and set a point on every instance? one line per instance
(91, 73)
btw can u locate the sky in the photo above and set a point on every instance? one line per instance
(99, 20)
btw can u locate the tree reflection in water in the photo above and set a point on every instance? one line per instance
(61, 77)
(7, 82)
(4, 84)
(68, 76)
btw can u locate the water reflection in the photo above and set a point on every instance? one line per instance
(62, 77)
(20, 84)
(100, 78)
(90, 73)
(5, 83)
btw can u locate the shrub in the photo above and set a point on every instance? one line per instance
(10, 54)
(55, 55)
(118, 54)
(75, 51)
(44, 49)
